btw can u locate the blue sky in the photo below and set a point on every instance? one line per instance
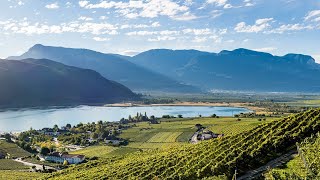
(128, 27)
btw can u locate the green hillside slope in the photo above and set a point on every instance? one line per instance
(245, 151)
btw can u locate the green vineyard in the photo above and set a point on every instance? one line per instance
(310, 149)
(244, 151)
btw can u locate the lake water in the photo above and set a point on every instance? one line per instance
(20, 120)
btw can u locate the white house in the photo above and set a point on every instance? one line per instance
(61, 157)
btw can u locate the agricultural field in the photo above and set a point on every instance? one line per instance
(163, 137)
(95, 151)
(13, 149)
(19, 175)
(179, 131)
(9, 164)
(305, 103)
(217, 157)
(170, 133)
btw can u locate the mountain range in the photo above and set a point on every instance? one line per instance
(240, 69)
(111, 66)
(167, 70)
(42, 82)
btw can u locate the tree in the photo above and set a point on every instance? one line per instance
(199, 126)
(8, 137)
(213, 115)
(180, 116)
(94, 135)
(65, 163)
(55, 127)
(68, 126)
(44, 151)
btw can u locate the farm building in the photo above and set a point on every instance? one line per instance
(61, 157)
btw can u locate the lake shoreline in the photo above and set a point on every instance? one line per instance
(236, 105)
(20, 120)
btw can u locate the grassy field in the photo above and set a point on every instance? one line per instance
(95, 151)
(170, 133)
(9, 164)
(19, 175)
(12, 149)
(306, 103)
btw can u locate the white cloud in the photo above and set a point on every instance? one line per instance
(141, 33)
(188, 2)
(230, 41)
(227, 6)
(248, 3)
(317, 58)
(313, 16)
(217, 2)
(25, 27)
(103, 17)
(52, 6)
(100, 39)
(290, 27)
(20, 3)
(130, 52)
(83, 18)
(137, 26)
(162, 38)
(147, 9)
(216, 13)
(83, 3)
(68, 4)
(148, 33)
(185, 17)
(266, 49)
(260, 25)
(197, 32)
(198, 39)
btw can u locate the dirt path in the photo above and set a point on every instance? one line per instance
(38, 166)
(194, 138)
(272, 164)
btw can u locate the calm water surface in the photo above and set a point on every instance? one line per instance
(20, 120)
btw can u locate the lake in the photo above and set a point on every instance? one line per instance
(24, 119)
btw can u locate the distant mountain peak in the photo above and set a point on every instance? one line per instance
(36, 47)
(301, 58)
(245, 52)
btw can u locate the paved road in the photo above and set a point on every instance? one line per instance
(38, 166)
(272, 164)
(194, 139)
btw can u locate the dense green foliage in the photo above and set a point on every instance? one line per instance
(244, 151)
(310, 149)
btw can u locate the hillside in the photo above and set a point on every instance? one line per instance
(110, 66)
(33, 82)
(217, 157)
(240, 69)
